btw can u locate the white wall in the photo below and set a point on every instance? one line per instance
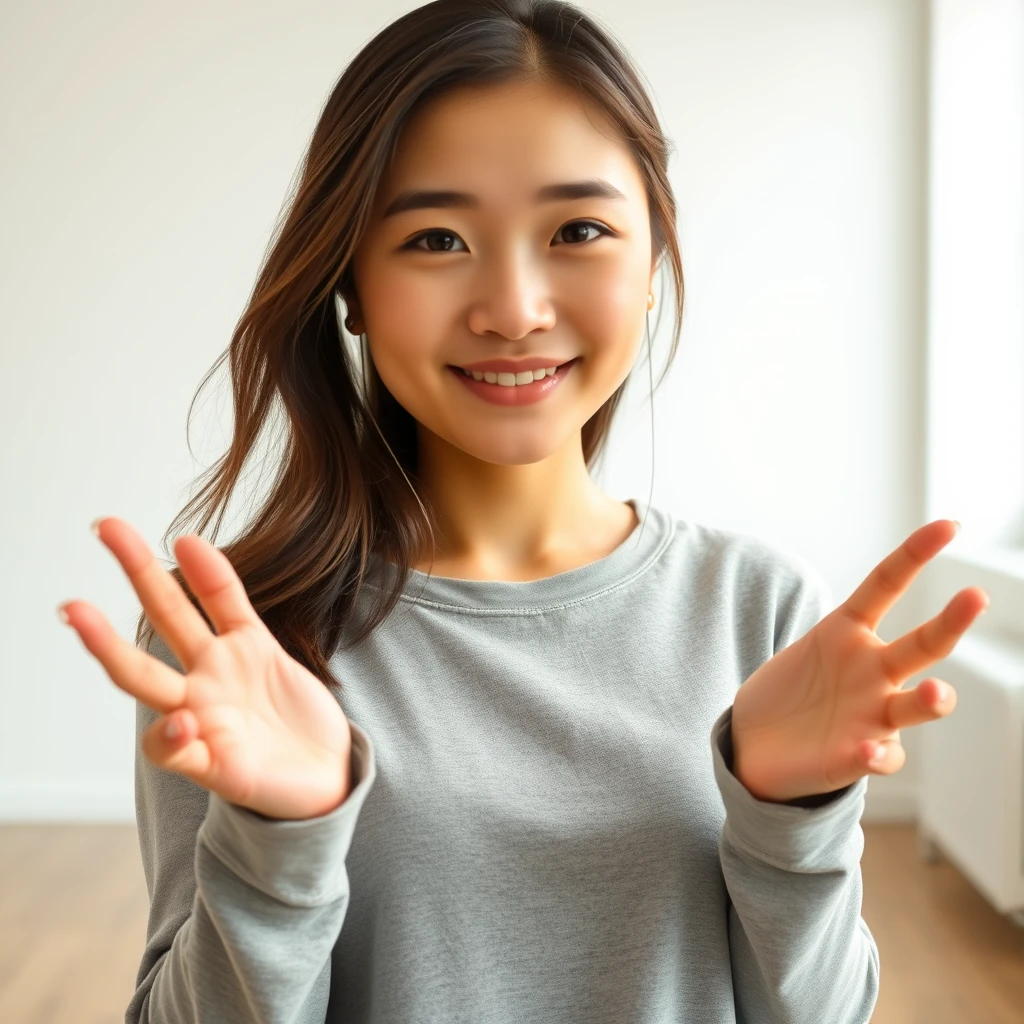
(145, 156)
(976, 302)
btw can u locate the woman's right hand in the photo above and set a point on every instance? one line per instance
(254, 726)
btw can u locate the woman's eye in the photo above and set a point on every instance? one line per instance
(585, 225)
(436, 233)
(447, 238)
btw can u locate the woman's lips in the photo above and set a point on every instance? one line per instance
(518, 394)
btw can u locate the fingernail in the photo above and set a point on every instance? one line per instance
(956, 523)
(942, 692)
(63, 615)
(172, 730)
(95, 526)
(879, 754)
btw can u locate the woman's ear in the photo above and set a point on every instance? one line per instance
(353, 316)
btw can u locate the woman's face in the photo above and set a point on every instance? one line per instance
(505, 272)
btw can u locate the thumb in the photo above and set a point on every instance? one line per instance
(172, 743)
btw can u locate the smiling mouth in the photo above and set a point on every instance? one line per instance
(509, 379)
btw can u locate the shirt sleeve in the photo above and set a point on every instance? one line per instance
(801, 951)
(244, 910)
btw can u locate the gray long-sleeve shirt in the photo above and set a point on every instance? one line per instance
(544, 826)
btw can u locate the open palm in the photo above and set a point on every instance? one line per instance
(247, 721)
(809, 720)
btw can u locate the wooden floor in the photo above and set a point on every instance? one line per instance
(73, 921)
(946, 956)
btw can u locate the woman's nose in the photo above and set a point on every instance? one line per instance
(514, 300)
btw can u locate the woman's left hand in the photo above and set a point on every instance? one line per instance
(809, 719)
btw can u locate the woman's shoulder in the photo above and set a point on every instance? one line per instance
(751, 559)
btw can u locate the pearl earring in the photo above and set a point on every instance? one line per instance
(650, 300)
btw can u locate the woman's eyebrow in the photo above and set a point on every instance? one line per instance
(422, 199)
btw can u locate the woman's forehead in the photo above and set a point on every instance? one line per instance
(507, 143)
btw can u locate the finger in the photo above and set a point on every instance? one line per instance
(930, 699)
(171, 613)
(215, 583)
(183, 752)
(132, 669)
(882, 757)
(934, 639)
(894, 574)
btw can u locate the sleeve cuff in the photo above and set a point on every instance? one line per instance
(800, 833)
(301, 863)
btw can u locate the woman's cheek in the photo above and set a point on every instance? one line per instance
(410, 300)
(611, 322)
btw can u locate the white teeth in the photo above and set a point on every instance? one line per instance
(509, 380)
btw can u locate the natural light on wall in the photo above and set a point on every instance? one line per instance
(970, 799)
(976, 274)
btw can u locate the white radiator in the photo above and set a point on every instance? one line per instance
(972, 771)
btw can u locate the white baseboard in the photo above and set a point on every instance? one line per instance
(100, 800)
(889, 804)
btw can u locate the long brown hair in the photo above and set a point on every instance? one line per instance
(344, 487)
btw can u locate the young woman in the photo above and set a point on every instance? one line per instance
(447, 734)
